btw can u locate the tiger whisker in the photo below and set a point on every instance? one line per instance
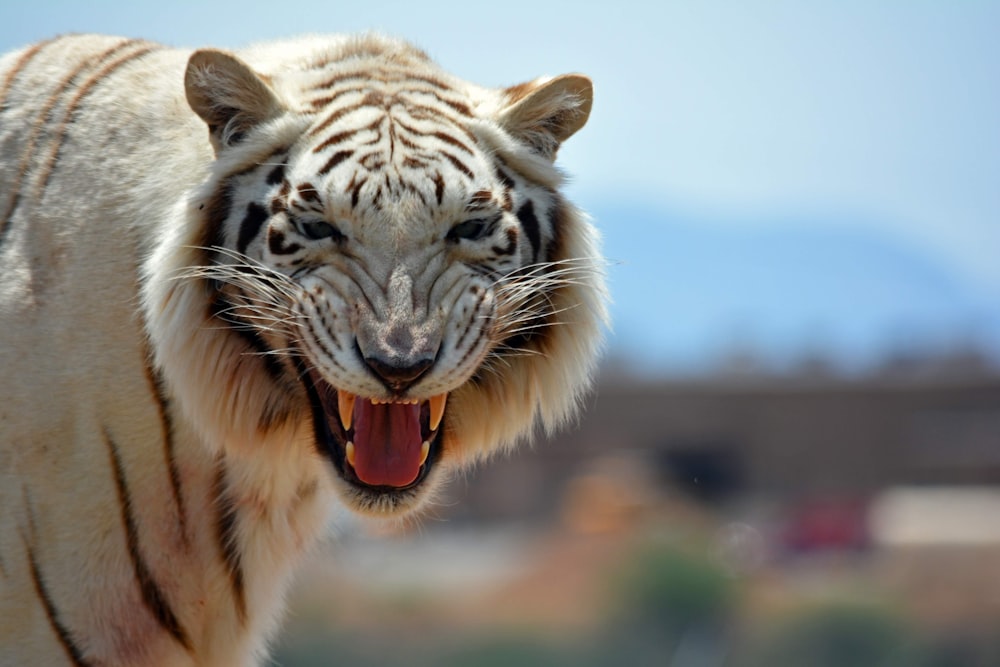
(278, 317)
(281, 352)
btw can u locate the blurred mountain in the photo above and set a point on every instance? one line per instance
(693, 293)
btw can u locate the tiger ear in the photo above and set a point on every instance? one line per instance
(228, 95)
(546, 112)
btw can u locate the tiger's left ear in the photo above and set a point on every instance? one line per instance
(228, 95)
(546, 112)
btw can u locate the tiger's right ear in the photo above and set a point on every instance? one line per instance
(228, 95)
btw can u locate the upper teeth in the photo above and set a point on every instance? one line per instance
(437, 410)
(346, 400)
(345, 405)
(379, 401)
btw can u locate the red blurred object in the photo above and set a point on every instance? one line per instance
(827, 525)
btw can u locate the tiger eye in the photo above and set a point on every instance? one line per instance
(320, 229)
(470, 230)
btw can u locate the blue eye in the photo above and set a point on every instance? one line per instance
(319, 229)
(470, 230)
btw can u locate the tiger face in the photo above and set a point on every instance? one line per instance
(391, 264)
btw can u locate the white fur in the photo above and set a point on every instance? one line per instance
(107, 353)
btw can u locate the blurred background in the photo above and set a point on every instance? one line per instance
(792, 456)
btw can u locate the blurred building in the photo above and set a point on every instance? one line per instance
(790, 439)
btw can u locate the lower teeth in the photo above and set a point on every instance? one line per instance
(425, 450)
(350, 453)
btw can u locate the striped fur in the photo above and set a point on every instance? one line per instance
(203, 256)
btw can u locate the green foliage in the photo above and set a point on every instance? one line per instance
(839, 636)
(671, 589)
(674, 609)
(505, 652)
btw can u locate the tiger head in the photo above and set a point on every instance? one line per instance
(379, 263)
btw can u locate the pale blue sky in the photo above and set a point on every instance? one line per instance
(878, 116)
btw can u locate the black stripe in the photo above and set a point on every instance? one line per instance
(157, 388)
(472, 348)
(29, 509)
(5, 89)
(558, 221)
(481, 294)
(341, 137)
(505, 178)
(42, 121)
(424, 112)
(226, 533)
(372, 161)
(152, 595)
(460, 107)
(250, 227)
(448, 139)
(413, 189)
(536, 332)
(280, 202)
(509, 184)
(511, 244)
(355, 188)
(333, 118)
(220, 308)
(531, 330)
(18, 67)
(320, 103)
(437, 83)
(217, 211)
(413, 163)
(73, 651)
(309, 193)
(458, 164)
(529, 223)
(399, 123)
(219, 206)
(343, 78)
(276, 243)
(336, 159)
(277, 175)
(438, 187)
(331, 357)
(81, 93)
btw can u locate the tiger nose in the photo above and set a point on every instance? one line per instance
(398, 376)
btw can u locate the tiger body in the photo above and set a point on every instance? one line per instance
(239, 290)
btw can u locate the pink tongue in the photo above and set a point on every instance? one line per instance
(387, 443)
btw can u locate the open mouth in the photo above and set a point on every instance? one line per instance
(376, 445)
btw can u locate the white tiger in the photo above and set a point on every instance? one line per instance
(359, 277)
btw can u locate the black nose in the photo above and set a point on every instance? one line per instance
(398, 376)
